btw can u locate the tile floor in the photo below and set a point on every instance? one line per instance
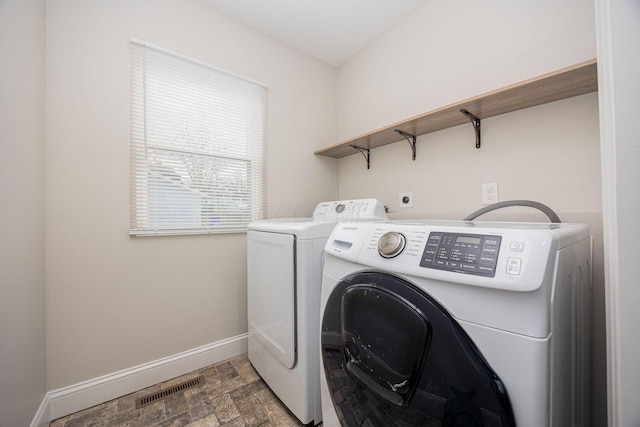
(232, 395)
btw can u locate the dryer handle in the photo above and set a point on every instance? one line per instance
(553, 217)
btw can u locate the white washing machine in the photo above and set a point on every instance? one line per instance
(284, 273)
(436, 323)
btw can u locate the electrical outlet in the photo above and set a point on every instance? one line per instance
(405, 199)
(489, 193)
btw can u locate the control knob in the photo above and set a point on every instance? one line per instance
(391, 244)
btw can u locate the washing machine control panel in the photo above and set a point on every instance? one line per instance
(462, 252)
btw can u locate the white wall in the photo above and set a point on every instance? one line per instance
(618, 31)
(445, 52)
(114, 301)
(22, 291)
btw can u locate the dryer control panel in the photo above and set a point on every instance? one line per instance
(462, 252)
(350, 210)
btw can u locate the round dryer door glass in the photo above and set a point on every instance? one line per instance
(393, 356)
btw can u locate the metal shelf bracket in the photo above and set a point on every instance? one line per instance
(476, 125)
(365, 152)
(411, 139)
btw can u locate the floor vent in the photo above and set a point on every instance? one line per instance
(154, 397)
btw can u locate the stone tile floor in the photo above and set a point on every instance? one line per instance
(232, 395)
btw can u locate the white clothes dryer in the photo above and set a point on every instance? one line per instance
(459, 323)
(284, 273)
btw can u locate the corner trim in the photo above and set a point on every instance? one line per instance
(67, 400)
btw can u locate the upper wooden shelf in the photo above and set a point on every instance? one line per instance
(565, 83)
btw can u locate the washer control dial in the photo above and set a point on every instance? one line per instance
(391, 244)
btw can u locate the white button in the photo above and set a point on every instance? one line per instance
(513, 266)
(516, 246)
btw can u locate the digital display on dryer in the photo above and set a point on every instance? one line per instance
(462, 253)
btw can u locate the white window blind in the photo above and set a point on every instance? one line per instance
(197, 146)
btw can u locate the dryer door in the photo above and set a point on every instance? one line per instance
(271, 293)
(393, 356)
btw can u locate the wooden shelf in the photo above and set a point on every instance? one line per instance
(571, 81)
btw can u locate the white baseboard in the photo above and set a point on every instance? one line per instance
(43, 416)
(67, 400)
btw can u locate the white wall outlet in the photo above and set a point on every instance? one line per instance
(405, 199)
(489, 193)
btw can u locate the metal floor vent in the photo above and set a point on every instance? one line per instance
(154, 397)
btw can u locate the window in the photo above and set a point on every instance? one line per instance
(197, 146)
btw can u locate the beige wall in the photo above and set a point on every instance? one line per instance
(22, 282)
(446, 52)
(114, 301)
(548, 153)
